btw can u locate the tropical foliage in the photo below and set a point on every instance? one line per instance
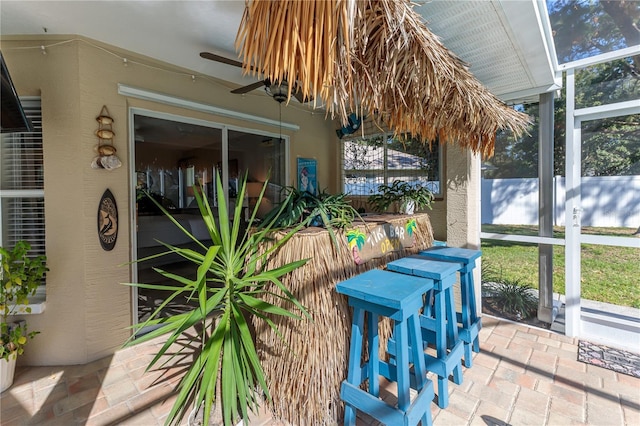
(401, 192)
(20, 276)
(301, 208)
(510, 296)
(514, 298)
(228, 288)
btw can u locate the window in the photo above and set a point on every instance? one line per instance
(379, 159)
(22, 184)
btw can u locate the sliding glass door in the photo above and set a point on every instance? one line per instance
(172, 156)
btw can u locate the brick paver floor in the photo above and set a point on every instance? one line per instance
(523, 376)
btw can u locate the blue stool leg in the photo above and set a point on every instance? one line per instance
(373, 364)
(441, 347)
(402, 360)
(452, 331)
(428, 304)
(354, 376)
(417, 353)
(466, 293)
(419, 368)
(472, 303)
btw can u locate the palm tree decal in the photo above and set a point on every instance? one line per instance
(411, 227)
(356, 238)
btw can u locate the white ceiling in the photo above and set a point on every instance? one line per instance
(503, 41)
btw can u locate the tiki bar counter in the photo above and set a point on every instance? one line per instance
(305, 366)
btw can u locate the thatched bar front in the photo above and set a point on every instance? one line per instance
(305, 366)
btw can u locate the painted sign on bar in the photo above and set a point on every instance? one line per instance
(377, 241)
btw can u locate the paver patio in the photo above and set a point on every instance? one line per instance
(523, 376)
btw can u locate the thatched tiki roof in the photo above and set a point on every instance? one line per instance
(378, 58)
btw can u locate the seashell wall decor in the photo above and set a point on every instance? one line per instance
(106, 158)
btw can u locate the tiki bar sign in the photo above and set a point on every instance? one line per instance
(377, 241)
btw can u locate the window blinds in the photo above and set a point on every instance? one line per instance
(22, 184)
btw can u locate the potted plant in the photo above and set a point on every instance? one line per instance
(405, 196)
(323, 210)
(20, 276)
(230, 280)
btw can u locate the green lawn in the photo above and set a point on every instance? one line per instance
(609, 274)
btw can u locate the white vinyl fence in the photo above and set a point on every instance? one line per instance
(608, 201)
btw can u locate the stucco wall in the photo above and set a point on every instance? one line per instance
(88, 310)
(463, 205)
(462, 196)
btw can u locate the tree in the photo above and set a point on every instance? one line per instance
(610, 146)
(583, 28)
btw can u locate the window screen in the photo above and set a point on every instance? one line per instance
(371, 161)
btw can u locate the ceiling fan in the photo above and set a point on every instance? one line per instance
(277, 90)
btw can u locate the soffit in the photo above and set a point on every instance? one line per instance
(503, 42)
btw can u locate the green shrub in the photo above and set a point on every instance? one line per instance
(512, 297)
(516, 299)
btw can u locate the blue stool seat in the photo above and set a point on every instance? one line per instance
(439, 325)
(399, 297)
(470, 322)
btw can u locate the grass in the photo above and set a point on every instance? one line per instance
(609, 274)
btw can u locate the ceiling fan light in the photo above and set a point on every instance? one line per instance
(278, 91)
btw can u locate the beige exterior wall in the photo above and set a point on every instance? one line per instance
(88, 310)
(463, 206)
(462, 198)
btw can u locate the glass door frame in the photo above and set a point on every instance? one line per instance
(133, 111)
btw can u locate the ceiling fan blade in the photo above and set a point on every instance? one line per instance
(250, 87)
(302, 99)
(221, 59)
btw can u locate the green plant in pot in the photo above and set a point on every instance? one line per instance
(20, 277)
(229, 283)
(323, 210)
(405, 196)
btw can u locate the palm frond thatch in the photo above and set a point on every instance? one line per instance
(376, 57)
(305, 362)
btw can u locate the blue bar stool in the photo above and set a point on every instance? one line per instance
(439, 325)
(382, 293)
(470, 322)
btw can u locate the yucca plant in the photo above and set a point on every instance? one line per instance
(228, 287)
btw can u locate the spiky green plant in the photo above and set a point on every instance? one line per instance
(511, 296)
(301, 207)
(515, 298)
(229, 284)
